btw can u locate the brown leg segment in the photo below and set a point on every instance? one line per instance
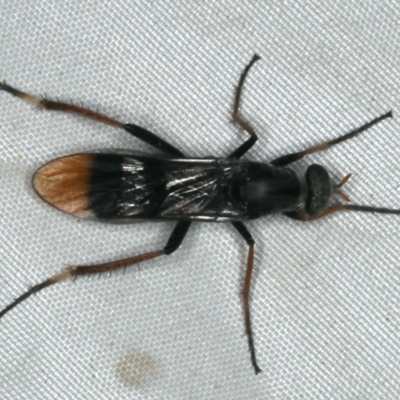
(173, 243)
(137, 131)
(342, 207)
(81, 270)
(58, 106)
(240, 227)
(242, 149)
(289, 158)
(246, 307)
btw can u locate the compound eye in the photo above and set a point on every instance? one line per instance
(319, 189)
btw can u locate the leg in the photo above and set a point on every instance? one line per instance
(341, 207)
(138, 132)
(239, 226)
(289, 158)
(153, 140)
(302, 217)
(248, 144)
(173, 243)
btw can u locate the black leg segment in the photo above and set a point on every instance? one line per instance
(177, 236)
(153, 140)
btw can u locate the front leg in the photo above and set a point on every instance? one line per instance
(248, 144)
(292, 157)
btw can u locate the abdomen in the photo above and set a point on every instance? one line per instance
(117, 187)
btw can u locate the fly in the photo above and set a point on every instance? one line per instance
(132, 186)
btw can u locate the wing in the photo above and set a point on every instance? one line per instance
(191, 189)
(119, 187)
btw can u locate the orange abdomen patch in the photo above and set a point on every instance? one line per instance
(64, 183)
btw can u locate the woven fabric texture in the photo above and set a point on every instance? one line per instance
(325, 296)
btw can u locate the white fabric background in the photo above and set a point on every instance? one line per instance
(326, 294)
